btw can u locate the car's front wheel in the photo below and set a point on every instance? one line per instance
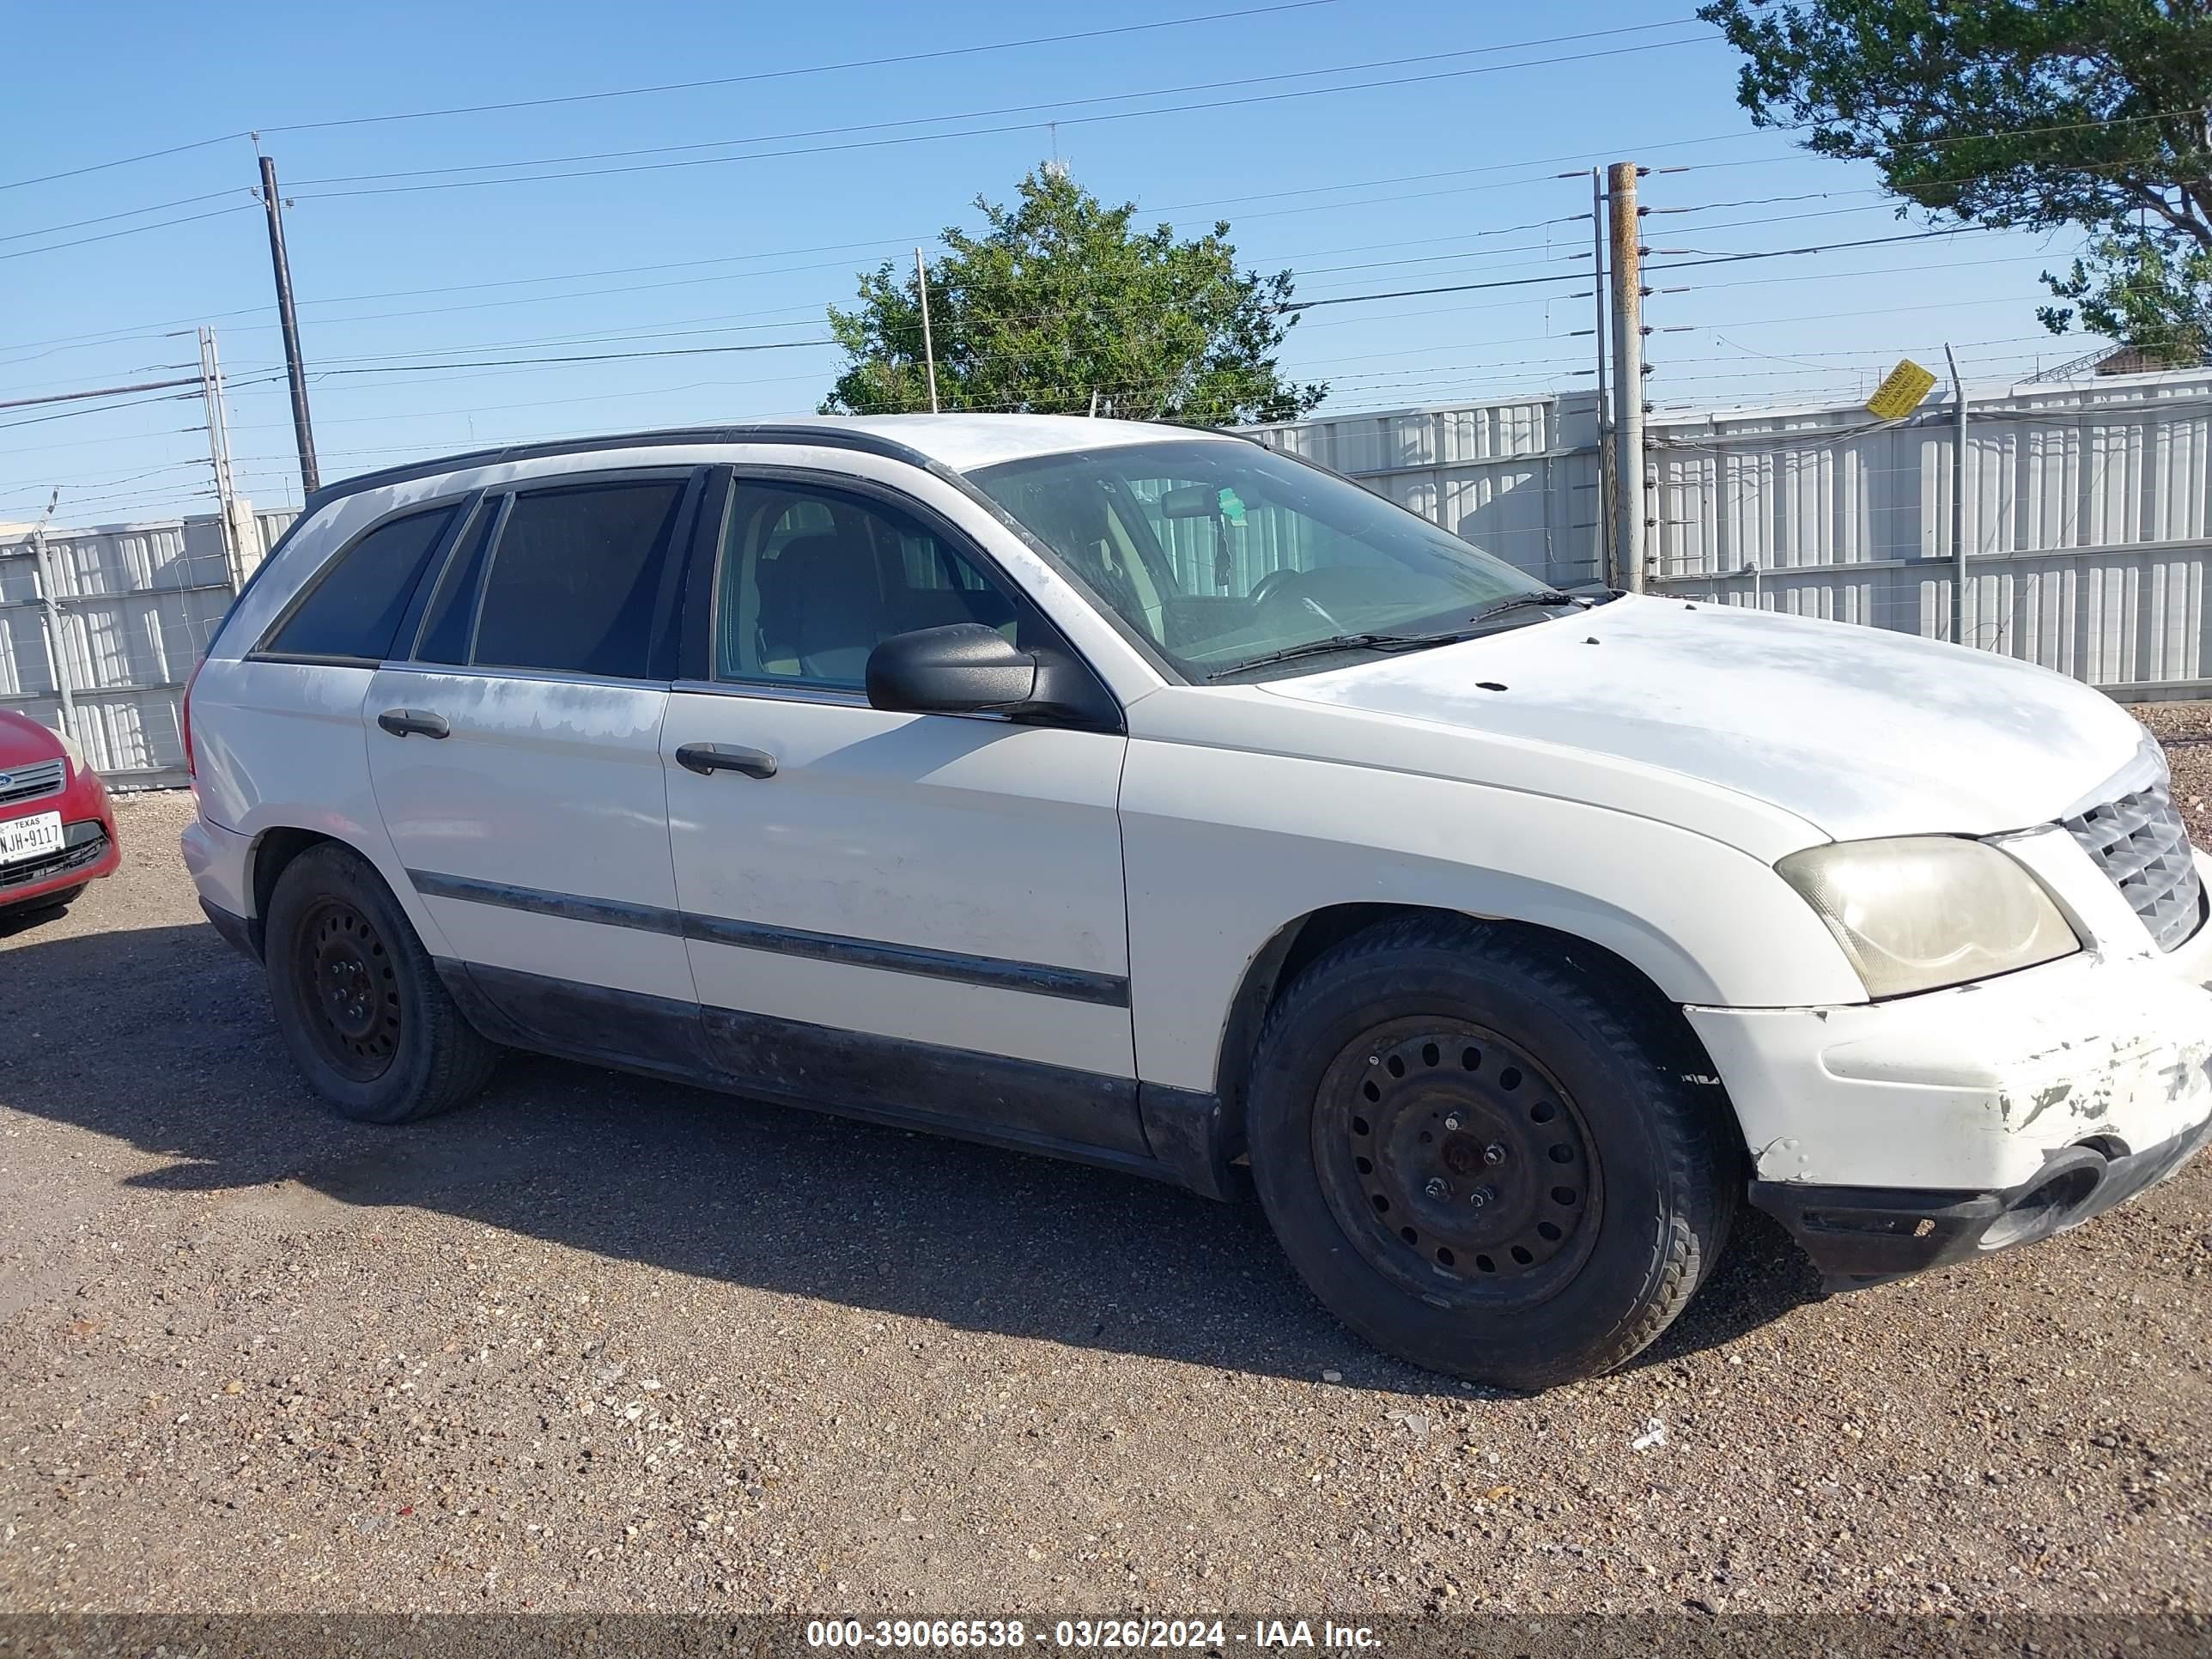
(359, 1003)
(1482, 1159)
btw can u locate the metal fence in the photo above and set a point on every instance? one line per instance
(2087, 531)
(2088, 511)
(1517, 477)
(100, 629)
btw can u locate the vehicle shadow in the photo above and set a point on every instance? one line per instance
(24, 918)
(162, 1037)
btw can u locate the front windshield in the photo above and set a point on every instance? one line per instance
(1218, 553)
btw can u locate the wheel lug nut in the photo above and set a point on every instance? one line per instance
(1438, 1187)
(1493, 1153)
(1452, 1122)
(1481, 1196)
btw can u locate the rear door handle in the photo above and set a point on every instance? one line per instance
(421, 722)
(708, 758)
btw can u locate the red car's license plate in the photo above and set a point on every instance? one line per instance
(30, 838)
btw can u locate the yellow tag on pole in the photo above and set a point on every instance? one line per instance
(1899, 394)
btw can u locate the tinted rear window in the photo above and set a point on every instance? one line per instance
(445, 635)
(575, 580)
(355, 608)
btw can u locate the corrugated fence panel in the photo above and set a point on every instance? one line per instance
(1517, 477)
(137, 605)
(2087, 509)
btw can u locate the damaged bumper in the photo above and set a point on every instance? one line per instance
(1861, 1236)
(1894, 1137)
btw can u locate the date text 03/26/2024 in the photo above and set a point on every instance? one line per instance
(1187, 1635)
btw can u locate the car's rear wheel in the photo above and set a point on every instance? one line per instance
(359, 1005)
(1485, 1160)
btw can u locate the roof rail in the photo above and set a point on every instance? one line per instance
(826, 437)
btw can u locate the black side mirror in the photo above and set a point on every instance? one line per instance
(969, 669)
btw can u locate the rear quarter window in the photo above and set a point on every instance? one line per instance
(353, 609)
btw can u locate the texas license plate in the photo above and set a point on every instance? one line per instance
(30, 838)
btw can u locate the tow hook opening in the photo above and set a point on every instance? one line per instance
(2054, 1202)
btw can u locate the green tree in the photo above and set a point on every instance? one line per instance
(2037, 114)
(1060, 299)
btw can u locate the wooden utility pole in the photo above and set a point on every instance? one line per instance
(1627, 375)
(303, 429)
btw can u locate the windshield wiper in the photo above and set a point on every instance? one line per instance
(1397, 642)
(1550, 596)
(1336, 642)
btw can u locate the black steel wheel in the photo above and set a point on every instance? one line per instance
(347, 977)
(1486, 1155)
(1456, 1163)
(358, 1000)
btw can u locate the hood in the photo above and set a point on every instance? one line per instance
(23, 740)
(1859, 731)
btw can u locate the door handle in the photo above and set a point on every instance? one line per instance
(420, 721)
(708, 758)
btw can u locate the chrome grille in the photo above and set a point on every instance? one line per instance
(29, 782)
(2139, 841)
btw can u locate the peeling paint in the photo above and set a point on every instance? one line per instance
(2099, 1086)
(2044, 1100)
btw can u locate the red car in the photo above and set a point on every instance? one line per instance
(57, 829)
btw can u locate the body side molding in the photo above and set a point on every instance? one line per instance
(996, 973)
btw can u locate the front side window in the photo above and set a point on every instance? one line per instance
(576, 579)
(1218, 553)
(354, 609)
(810, 581)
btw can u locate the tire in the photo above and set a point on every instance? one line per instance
(359, 1005)
(1485, 1160)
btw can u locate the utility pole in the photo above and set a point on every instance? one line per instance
(50, 613)
(311, 478)
(1608, 571)
(218, 430)
(1627, 375)
(928, 350)
(1958, 503)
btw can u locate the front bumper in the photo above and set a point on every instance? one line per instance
(1862, 1235)
(1896, 1135)
(90, 853)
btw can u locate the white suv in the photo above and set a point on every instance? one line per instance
(1143, 796)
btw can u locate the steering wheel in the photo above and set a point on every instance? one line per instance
(1277, 584)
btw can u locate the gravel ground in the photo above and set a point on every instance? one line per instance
(600, 1344)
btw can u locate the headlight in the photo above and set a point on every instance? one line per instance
(1917, 913)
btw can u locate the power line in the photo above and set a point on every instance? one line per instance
(65, 414)
(128, 213)
(901, 59)
(110, 235)
(684, 86)
(307, 194)
(101, 391)
(1823, 247)
(121, 161)
(1006, 109)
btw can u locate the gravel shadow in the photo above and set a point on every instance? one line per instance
(162, 1037)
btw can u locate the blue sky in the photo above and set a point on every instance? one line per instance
(1430, 160)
